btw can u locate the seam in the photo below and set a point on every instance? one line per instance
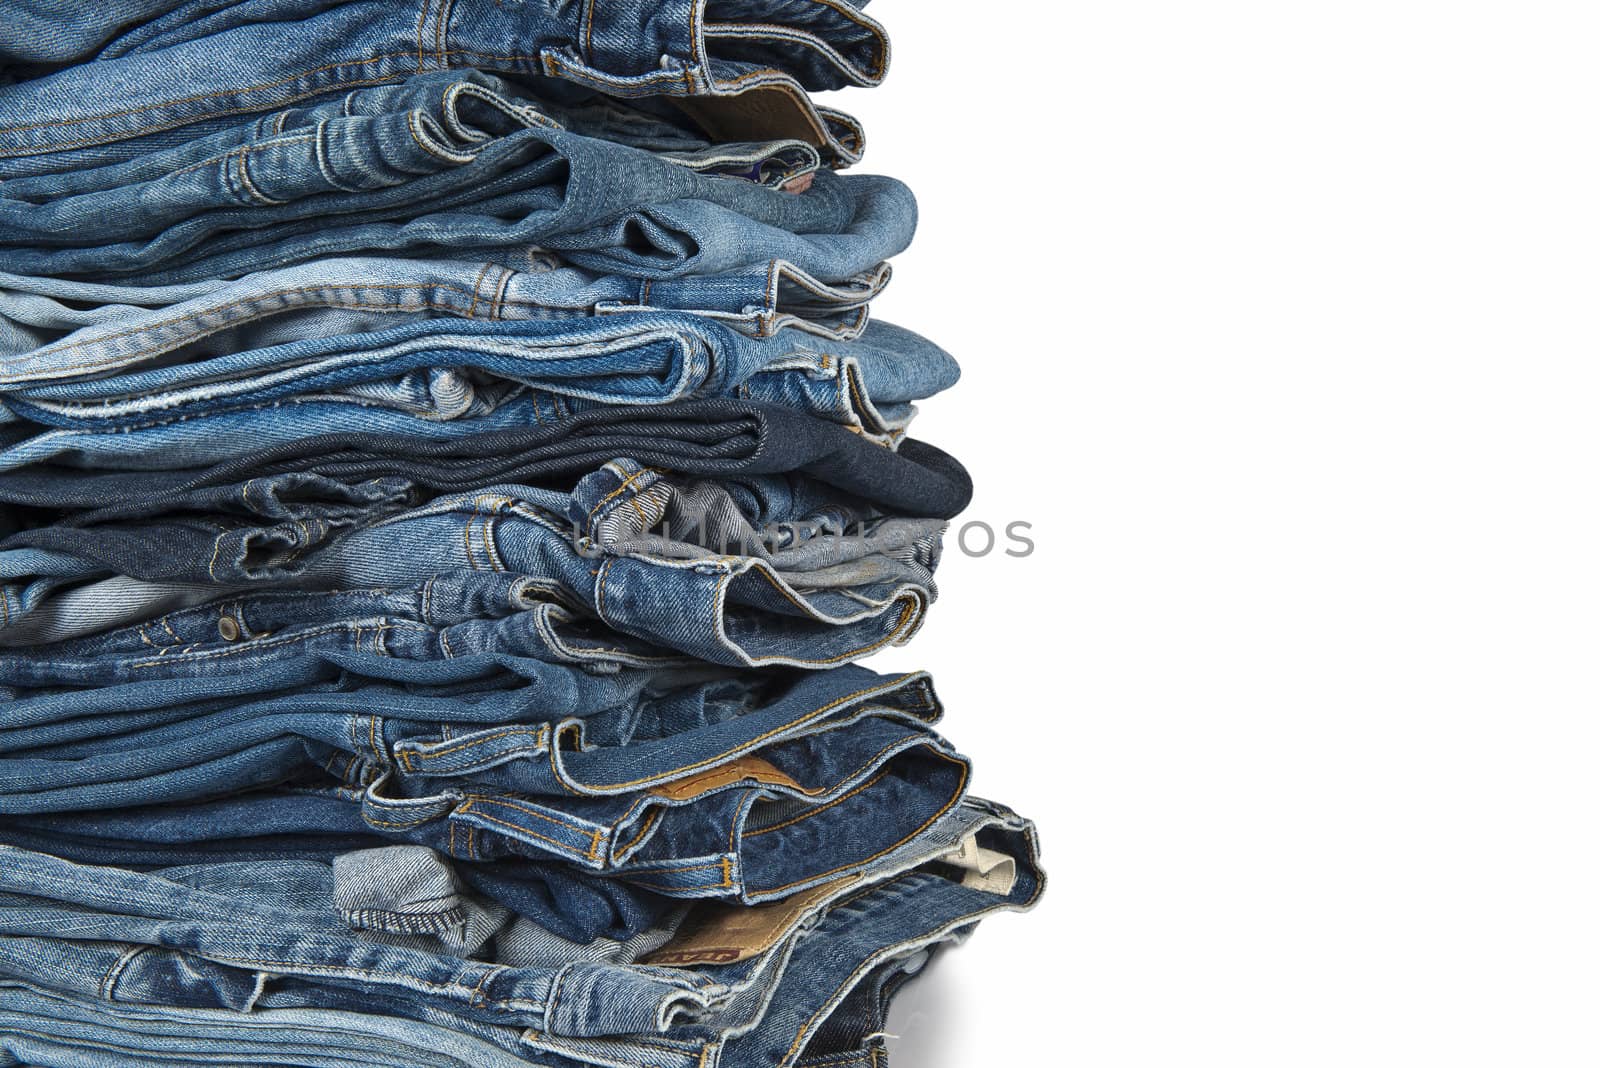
(594, 835)
(622, 488)
(167, 105)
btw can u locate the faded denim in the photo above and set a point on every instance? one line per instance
(736, 66)
(442, 161)
(207, 950)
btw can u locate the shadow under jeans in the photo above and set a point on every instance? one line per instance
(925, 1013)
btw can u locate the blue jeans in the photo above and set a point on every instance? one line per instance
(390, 930)
(335, 477)
(443, 161)
(39, 1026)
(749, 828)
(446, 370)
(363, 294)
(757, 572)
(738, 66)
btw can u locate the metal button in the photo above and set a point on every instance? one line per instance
(228, 627)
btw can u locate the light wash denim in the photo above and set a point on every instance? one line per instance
(440, 162)
(43, 1027)
(446, 370)
(175, 72)
(329, 477)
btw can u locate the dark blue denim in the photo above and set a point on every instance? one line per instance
(308, 478)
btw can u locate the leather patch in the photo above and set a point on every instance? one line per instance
(766, 113)
(716, 933)
(745, 767)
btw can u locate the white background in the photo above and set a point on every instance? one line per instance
(1278, 322)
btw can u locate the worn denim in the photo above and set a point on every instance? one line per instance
(362, 294)
(448, 474)
(763, 571)
(39, 1027)
(327, 478)
(448, 371)
(298, 935)
(737, 66)
(439, 162)
(673, 787)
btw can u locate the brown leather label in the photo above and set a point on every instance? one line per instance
(745, 767)
(766, 113)
(716, 933)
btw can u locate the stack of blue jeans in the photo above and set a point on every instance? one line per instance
(448, 475)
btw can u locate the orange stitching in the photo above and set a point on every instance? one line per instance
(422, 18)
(651, 818)
(473, 799)
(500, 292)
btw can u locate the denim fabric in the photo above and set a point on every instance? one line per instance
(448, 473)
(42, 1027)
(278, 938)
(39, 611)
(738, 65)
(765, 571)
(308, 478)
(301, 825)
(704, 790)
(448, 371)
(441, 161)
(355, 295)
